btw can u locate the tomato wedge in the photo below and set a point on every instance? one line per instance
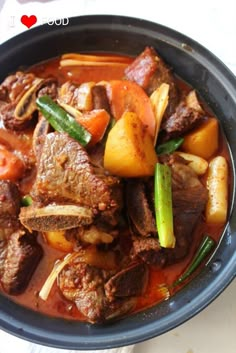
(96, 122)
(127, 96)
(11, 167)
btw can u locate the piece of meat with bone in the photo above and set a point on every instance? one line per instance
(21, 91)
(55, 217)
(189, 198)
(22, 257)
(66, 175)
(149, 71)
(85, 285)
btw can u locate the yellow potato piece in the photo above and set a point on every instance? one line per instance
(129, 150)
(217, 183)
(57, 240)
(204, 140)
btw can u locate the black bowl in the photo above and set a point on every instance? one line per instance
(217, 86)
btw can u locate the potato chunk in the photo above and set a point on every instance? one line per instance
(129, 150)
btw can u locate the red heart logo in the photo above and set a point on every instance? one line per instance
(28, 21)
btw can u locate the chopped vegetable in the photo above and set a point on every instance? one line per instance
(11, 167)
(217, 183)
(73, 59)
(192, 102)
(95, 122)
(170, 146)
(58, 267)
(203, 141)
(129, 150)
(198, 164)
(26, 201)
(61, 121)
(159, 100)
(57, 240)
(163, 206)
(84, 96)
(204, 249)
(129, 96)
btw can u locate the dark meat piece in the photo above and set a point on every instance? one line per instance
(131, 281)
(3, 253)
(183, 120)
(99, 98)
(65, 173)
(189, 200)
(139, 211)
(149, 251)
(68, 94)
(41, 130)
(3, 93)
(22, 258)
(84, 285)
(9, 200)
(55, 217)
(9, 207)
(150, 71)
(49, 88)
(9, 210)
(21, 91)
(16, 85)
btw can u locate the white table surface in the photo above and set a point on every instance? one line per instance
(213, 24)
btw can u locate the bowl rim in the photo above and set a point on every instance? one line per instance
(148, 327)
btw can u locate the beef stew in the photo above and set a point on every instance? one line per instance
(94, 207)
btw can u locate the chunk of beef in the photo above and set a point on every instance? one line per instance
(131, 281)
(22, 258)
(9, 207)
(3, 253)
(148, 250)
(41, 130)
(55, 217)
(9, 201)
(49, 88)
(9, 210)
(15, 85)
(139, 211)
(99, 98)
(68, 93)
(84, 285)
(150, 71)
(78, 96)
(189, 198)
(65, 174)
(22, 90)
(183, 120)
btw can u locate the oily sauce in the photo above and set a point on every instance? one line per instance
(56, 305)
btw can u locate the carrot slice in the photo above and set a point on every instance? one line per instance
(129, 96)
(11, 167)
(96, 122)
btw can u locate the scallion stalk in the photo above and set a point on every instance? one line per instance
(163, 205)
(204, 249)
